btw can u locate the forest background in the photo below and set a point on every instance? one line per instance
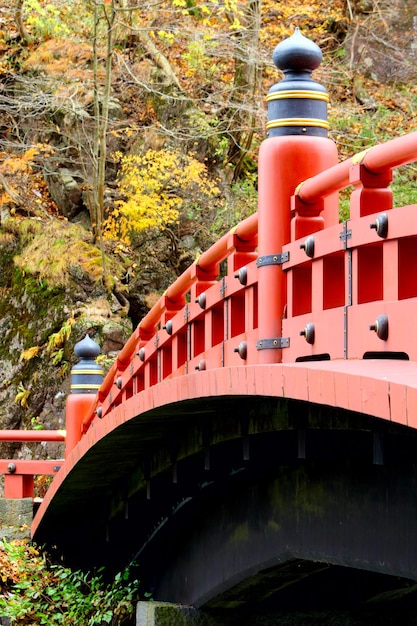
(129, 135)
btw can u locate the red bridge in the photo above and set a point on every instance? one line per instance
(259, 426)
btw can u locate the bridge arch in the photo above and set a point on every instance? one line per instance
(228, 473)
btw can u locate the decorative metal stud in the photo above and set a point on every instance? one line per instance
(201, 300)
(308, 246)
(308, 333)
(242, 275)
(168, 327)
(380, 326)
(381, 225)
(242, 350)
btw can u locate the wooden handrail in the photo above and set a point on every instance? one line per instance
(376, 160)
(32, 435)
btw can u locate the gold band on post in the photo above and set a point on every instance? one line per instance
(88, 372)
(88, 386)
(294, 93)
(298, 121)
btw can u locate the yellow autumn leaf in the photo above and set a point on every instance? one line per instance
(22, 396)
(30, 353)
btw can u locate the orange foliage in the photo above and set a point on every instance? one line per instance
(21, 184)
(61, 57)
(320, 20)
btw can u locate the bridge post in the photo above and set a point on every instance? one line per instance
(297, 148)
(86, 379)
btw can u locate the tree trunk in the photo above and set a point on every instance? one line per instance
(243, 104)
(20, 24)
(101, 121)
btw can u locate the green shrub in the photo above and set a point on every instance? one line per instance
(35, 592)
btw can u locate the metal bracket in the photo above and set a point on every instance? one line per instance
(273, 259)
(223, 287)
(349, 304)
(276, 343)
(345, 235)
(349, 263)
(345, 331)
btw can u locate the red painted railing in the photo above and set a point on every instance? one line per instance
(351, 288)
(19, 473)
(346, 290)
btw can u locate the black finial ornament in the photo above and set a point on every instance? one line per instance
(87, 375)
(297, 105)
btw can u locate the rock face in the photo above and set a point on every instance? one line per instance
(52, 293)
(66, 192)
(40, 322)
(383, 42)
(15, 519)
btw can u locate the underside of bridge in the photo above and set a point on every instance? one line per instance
(305, 592)
(237, 503)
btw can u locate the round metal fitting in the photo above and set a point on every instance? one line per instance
(242, 275)
(297, 105)
(381, 225)
(141, 354)
(87, 348)
(242, 350)
(168, 327)
(308, 246)
(118, 382)
(380, 326)
(99, 412)
(201, 366)
(201, 300)
(308, 333)
(11, 468)
(86, 375)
